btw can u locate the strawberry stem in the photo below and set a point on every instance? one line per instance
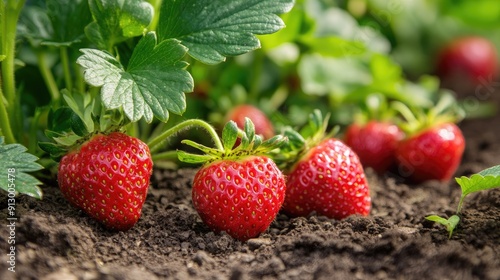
(48, 77)
(68, 80)
(168, 155)
(155, 143)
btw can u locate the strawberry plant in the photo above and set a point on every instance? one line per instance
(113, 72)
(323, 174)
(484, 180)
(237, 190)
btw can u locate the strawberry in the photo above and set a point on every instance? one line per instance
(375, 143)
(326, 177)
(471, 60)
(241, 197)
(329, 180)
(263, 125)
(434, 145)
(433, 154)
(237, 190)
(108, 178)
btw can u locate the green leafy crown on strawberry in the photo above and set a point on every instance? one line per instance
(299, 142)
(251, 144)
(324, 176)
(415, 120)
(84, 116)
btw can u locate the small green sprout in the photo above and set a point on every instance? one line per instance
(484, 180)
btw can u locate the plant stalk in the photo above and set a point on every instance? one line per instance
(9, 108)
(154, 144)
(156, 15)
(10, 17)
(5, 128)
(255, 79)
(48, 77)
(168, 155)
(66, 69)
(460, 203)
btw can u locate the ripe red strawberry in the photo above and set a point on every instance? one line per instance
(237, 190)
(323, 174)
(470, 59)
(108, 178)
(433, 154)
(241, 197)
(329, 180)
(263, 125)
(375, 143)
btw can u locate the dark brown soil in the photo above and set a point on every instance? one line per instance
(56, 241)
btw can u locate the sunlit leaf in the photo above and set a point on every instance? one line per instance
(213, 30)
(15, 162)
(153, 84)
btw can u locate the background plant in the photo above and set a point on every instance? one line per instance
(109, 64)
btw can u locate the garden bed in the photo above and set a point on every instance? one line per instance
(56, 241)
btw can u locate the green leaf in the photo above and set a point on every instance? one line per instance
(294, 21)
(14, 163)
(384, 70)
(50, 26)
(341, 32)
(321, 75)
(78, 126)
(486, 179)
(450, 223)
(35, 25)
(68, 19)
(55, 151)
(83, 107)
(213, 30)
(153, 85)
(60, 120)
(229, 135)
(193, 158)
(484, 14)
(334, 46)
(250, 131)
(117, 20)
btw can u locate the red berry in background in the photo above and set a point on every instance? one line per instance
(241, 197)
(375, 143)
(263, 125)
(468, 59)
(433, 154)
(329, 179)
(108, 178)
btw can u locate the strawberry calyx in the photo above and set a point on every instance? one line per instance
(416, 120)
(300, 142)
(251, 144)
(72, 125)
(375, 107)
